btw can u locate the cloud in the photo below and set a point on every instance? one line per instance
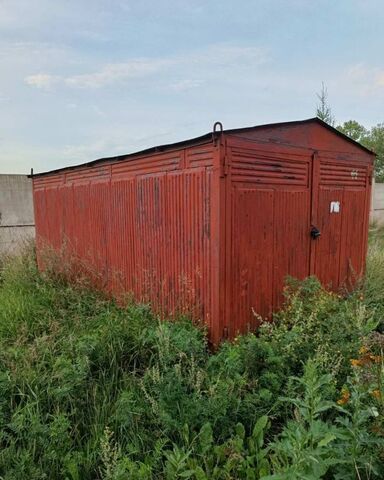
(368, 79)
(117, 72)
(186, 84)
(211, 58)
(98, 111)
(380, 79)
(228, 55)
(43, 81)
(93, 149)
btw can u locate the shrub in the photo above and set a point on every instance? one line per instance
(374, 280)
(90, 389)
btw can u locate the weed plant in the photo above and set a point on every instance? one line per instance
(93, 390)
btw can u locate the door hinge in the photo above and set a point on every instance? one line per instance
(225, 166)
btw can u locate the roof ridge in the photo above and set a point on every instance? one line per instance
(202, 140)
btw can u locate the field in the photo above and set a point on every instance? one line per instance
(89, 390)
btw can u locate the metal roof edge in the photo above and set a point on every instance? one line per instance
(203, 139)
(300, 122)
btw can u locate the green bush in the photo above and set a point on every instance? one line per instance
(374, 280)
(90, 389)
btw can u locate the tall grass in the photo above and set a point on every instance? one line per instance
(89, 389)
(374, 285)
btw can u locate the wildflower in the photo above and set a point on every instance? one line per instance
(345, 396)
(376, 358)
(355, 362)
(363, 350)
(376, 394)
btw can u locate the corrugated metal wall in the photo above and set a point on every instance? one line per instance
(213, 230)
(144, 225)
(275, 195)
(270, 192)
(341, 250)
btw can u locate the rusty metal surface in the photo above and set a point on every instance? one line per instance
(213, 229)
(144, 226)
(270, 220)
(340, 253)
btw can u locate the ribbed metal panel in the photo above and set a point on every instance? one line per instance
(352, 258)
(269, 235)
(252, 257)
(157, 163)
(341, 250)
(160, 247)
(85, 174)
(248, 166)
(343, 174)
(143, 227)
(327, 250)
(199, 156)
(291, 248)
(212, 228)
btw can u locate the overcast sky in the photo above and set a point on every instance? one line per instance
(83, 79)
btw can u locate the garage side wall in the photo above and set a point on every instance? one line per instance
(144, 226)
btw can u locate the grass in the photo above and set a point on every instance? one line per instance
(374, 287)
(90, 390)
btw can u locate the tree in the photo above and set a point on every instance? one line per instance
(372, 139)
(354, 130)
(323, 110)
(375, 141)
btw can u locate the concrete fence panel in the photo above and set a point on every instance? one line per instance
(17, 223)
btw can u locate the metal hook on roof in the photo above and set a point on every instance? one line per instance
(217, 124)
(214, 130)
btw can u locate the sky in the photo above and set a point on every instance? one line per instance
(85, 79)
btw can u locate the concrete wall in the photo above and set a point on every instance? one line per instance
(16, 212)
(377, 206)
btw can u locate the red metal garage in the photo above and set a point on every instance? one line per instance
(212, 226)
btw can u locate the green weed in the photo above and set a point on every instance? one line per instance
(93, 390)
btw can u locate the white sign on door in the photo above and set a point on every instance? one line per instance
(335, 207)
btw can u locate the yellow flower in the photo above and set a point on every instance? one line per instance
(363, 350)
(376, 394)
(345, 396)
(377, 358)
(355, 362)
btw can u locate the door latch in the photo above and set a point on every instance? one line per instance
(315, 233)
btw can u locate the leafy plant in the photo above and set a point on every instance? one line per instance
(91, 389)
(304, 448)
